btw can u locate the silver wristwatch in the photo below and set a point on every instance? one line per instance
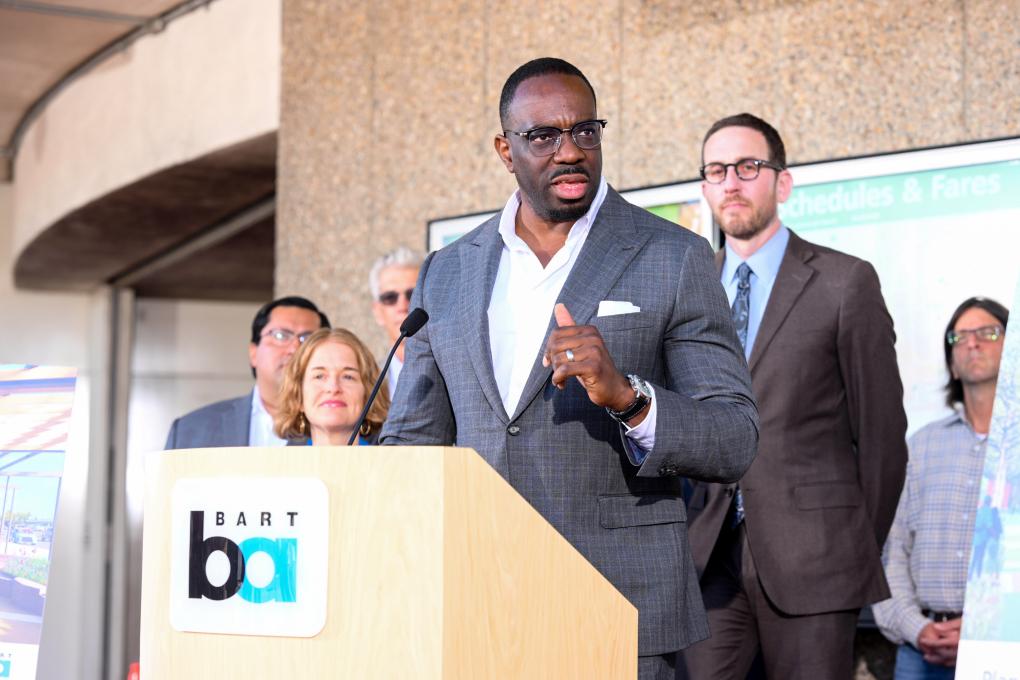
(642, 397)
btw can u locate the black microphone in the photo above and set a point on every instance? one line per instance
(412, 324)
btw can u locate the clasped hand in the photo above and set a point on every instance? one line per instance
(938, 642)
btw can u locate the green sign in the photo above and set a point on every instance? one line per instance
(932, 193)
(670, 211)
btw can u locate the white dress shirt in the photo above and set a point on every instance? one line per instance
(391, 378)
(764, 264)
(522, 303)
(260, 429)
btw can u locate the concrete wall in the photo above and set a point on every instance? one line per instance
(209, 80)
(389, 108)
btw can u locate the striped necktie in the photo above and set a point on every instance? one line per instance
(741, 312)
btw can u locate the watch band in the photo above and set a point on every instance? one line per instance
(641, 400)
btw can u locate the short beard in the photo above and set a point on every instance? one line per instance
(570, 213)
(746, 229)
(547, 207)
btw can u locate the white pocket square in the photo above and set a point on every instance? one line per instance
(614, 307)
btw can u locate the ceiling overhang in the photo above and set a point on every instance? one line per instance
(45, 46)
(217, 209)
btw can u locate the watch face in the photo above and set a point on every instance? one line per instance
(640, 385)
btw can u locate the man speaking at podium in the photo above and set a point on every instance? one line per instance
(584, 348)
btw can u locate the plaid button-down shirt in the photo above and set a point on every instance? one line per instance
(928, 549)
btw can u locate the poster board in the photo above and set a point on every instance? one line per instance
(35, 412)
(939, 226)
(990, 640)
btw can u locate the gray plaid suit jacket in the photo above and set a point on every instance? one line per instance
(561, 452)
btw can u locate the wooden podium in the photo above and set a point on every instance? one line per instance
(437, 569)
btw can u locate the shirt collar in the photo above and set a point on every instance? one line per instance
(508, 218)
(956, 417)
(764, 262)
(257, 407)
(959, 417)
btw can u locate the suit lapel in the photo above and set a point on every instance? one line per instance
(612, 243)
(794, 273)
(478, 265)
(236, 425)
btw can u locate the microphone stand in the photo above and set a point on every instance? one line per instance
(375, 389)
(412, 324)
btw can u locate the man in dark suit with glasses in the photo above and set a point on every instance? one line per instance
(278, 329)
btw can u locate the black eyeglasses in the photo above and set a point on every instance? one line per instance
(282, 336)
(390, 297)
(544, 141)
(746, 169)
(986, 333)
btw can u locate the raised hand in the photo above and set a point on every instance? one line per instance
(579, 352)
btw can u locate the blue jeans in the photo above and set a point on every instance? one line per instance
(910, 665)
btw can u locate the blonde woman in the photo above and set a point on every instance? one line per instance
(324, 390)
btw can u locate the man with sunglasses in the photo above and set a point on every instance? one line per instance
(926, 554)
(789, 555)
(278, 329)
(582, 347)
(391, 282)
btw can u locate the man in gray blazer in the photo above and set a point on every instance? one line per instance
(277, 330)
(592, 415)
(788, 556)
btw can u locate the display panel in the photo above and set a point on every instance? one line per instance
(939, 226)
(35, 412)
(990, 641)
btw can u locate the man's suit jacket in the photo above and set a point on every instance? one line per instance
(225, 423)
(561, 452)
(821, 494)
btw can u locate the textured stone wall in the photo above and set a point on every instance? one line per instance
(389, 107)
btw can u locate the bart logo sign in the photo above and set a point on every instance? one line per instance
(282, 553)
(249, 556)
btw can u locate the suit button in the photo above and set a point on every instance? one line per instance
(667, 470)
(513, 430)
(729, 491)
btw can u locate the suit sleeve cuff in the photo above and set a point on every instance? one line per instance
(640, 439)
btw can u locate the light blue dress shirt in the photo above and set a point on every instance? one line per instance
(764, 264)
